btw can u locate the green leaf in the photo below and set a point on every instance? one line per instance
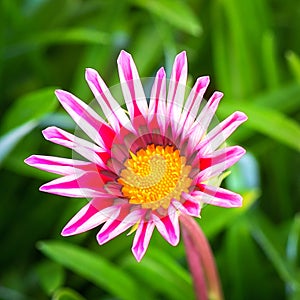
(163, 274)
(12, 138)
(294, 63)
(239, 245)
(269, 61)
(292, 248)
(66, 294)
(92, 267)
(176, 12)
(32, 106)
(269, 122)
(51, 276)
(267, 237)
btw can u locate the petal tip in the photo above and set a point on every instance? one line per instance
(124, 57)
(137, 253)
(161, 73)
(30, 160)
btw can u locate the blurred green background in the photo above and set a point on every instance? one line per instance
(250, 49)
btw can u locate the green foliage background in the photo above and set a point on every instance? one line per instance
(250, 49)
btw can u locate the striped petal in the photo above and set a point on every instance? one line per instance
(87, 119)
(157, 104)
(168, 226)
(82, 185)
(217, 196)
(142, 239)
(118, 223)
(220, 133)
(111, 108)
(131, 86)
(220, 160)
(59, 165)
(85, 148)
(90, 216)
(177, 89)
(200, 126)
(191, 107)
(190, 206)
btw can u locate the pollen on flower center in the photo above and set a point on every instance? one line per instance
(154, 176)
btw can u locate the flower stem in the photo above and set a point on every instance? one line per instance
(200, 260)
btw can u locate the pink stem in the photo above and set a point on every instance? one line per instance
(196, 242)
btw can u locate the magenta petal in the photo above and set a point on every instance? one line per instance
(85, 148)
(111, 108)
(190, 206)
(131, 86)
(217, 196)
(142, 239)
(90, 216)
(168, 226)
(220, 133)
(191, 107)
(176, 90)
(59, 165)
(200, 126)
(88, 185)
(118, 223)
(87, 119)
(157, 104)
(214, 164)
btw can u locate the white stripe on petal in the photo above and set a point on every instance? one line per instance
(89, 217)
(118, 223)
(59, 165)
(157, 104)
(176, 89)
(142, 239)
(220, 133)
(190, 206)
(132, 88)
(111, 108)
(217, 196)
(220, 160)
(81, 185)
(85, 148)
(191, 107)
(168, 226)
(200, 126)
(86, 118)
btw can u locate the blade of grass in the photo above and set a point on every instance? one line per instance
(92, 267)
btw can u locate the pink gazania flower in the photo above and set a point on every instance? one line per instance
(144, 167)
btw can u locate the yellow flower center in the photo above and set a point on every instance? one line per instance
(154, 176)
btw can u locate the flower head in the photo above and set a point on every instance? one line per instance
(144, 167)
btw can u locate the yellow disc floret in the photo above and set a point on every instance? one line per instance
(154, 176)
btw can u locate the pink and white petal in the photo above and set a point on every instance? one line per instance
(59, 165)
(217, 196)
(90, 216)
(191, 107)
(118, 223)
(142, 239)
(200, 126)
(220, 133)
(87, 119)
(190, 206)
(157, 104)
(85, 148)
(111, 108)
(176, 90)
(168, 226)
(131, 86)
(214, 164)
(82, 185)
